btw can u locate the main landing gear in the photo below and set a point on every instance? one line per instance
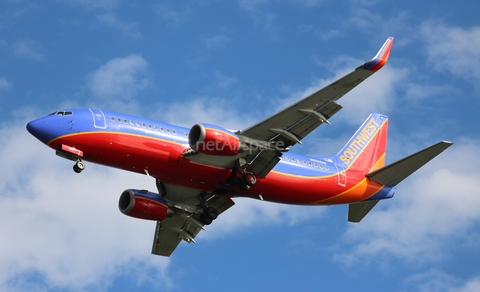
(204, 213)
(246, 179)
(209, 213)
(79, 166)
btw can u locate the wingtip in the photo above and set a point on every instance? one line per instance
(380, 58)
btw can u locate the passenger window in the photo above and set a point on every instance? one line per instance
(168, 130)
(161, 130)
(143, 125)
(138, 124)
(156, 128)
(150, 127)
(112, 118)
(125, 121)
(131, 123)
(174, 132)
(119, 120)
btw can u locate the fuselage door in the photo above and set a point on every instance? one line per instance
(98, 119)
(342, 176)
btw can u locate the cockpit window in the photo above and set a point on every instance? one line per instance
(61, 113)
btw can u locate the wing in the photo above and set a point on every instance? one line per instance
(183, 225)
(291, 125)
(272, 136)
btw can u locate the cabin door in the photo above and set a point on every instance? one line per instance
(342, 176)
(98, 119)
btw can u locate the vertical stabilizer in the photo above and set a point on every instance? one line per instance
(366, 149)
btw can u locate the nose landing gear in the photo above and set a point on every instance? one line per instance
(79, 166)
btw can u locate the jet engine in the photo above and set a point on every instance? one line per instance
(213, 140)
(144, 205)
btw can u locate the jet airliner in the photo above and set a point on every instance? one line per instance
(200, 170)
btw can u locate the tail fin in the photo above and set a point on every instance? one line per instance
(366, 149)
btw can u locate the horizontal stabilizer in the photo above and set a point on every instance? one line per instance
(394, 173)
(357, 211)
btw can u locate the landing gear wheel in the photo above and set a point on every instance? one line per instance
(249, 179)
(211, 213)
(205, 220)
(243, 186)
(79, 167)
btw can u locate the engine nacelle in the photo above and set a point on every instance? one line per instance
(144, 205)
(213, 140)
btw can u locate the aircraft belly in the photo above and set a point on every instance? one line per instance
(315, 190)
(164, 160)
(121, 151)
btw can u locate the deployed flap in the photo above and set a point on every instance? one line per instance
(394, 173)
(357, 211)
(181, 226)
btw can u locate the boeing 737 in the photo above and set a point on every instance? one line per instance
(199, 170)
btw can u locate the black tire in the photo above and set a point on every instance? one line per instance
(243, 186)
(211, 213)
(77, 169)
(205, 220)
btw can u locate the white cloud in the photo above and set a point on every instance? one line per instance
(453, 49)
(129, 30)
(119, 79)
(218, 41)
(435, 280)
(224, 81)
(421, 91)
(28, 49)
(94, 4)
(252, 4)
(206, 110)
(173, 17)
(64, 227)
(376, 94)
(438, 203)
(309, 3)
(5, 84)
(472, 285)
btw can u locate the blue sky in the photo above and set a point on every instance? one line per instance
(233, 63)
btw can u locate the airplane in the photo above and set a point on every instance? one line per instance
(199, 170)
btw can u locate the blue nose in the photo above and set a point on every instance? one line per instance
(38, 128)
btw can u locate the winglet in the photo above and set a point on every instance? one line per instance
(380, 58)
